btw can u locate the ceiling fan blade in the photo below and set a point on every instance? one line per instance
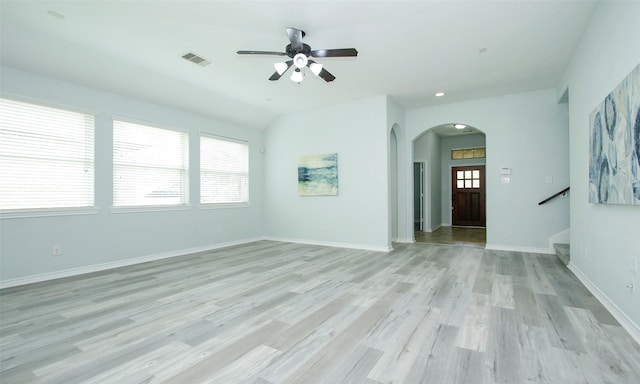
(277, 75)
(326, 75)
(342, 52)
(261, 53)
(295, 37)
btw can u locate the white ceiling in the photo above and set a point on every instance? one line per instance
(407, 49)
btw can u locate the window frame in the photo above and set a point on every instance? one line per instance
(12, 213)
(219, 205)
(187, 170)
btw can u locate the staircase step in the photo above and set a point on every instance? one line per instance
(563, 252)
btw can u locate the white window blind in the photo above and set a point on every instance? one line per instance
(46, 157)
(224, 171)
(150, 165)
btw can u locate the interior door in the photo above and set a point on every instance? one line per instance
(468, 200)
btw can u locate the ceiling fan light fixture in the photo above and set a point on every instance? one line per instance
(281, 67)
(315, 68)
(459, 126)
(300, 60)
(296, 76)
(300, 55)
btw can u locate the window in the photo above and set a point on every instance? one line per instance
(150, 166)
(468, 153)
(224, 171)
(468, 179)
(46, 157)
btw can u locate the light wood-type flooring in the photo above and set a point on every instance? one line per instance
(271, 312)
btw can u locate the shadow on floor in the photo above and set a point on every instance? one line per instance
(475, 237)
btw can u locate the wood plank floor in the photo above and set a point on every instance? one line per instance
(270, 312)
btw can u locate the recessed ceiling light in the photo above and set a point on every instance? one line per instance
(460, 126)
(439, 94)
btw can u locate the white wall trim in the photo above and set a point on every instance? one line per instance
(404, 240)
(515, 248)
(119, 263)
(624, 320)
(365, 247)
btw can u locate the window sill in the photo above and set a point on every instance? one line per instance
(46, 212)
(151, 208)
(224, 205)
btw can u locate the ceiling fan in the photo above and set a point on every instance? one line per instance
(300, 55)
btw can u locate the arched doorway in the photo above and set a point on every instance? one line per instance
(449, 157)
(398, 217)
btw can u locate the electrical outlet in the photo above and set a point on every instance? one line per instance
(57, 250)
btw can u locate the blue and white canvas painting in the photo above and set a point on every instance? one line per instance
(318, 175)
(614, 147)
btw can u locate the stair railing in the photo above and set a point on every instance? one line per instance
(563, 193)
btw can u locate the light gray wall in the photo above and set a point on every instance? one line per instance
(397, 171)
(359, 216)
(427, 148)
(527, 132)
(446, 145)
(605, 239)
(106, 237)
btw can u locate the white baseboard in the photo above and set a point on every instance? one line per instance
(119, 263)
(514, 248)
(624, 320)
(404, 240)
(366, 247)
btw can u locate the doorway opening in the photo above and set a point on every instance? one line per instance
(449, 203)
(418, 196)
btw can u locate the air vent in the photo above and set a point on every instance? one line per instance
(192, 57)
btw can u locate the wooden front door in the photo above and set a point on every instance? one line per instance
(468, 202)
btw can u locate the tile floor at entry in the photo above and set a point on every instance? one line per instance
(470, 236)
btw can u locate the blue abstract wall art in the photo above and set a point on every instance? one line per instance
(614, 150)
(318, 175)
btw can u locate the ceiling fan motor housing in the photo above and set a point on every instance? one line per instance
(291, 52)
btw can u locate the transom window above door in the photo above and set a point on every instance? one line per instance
(468, 153)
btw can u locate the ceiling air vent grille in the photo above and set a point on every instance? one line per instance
(192, 57)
